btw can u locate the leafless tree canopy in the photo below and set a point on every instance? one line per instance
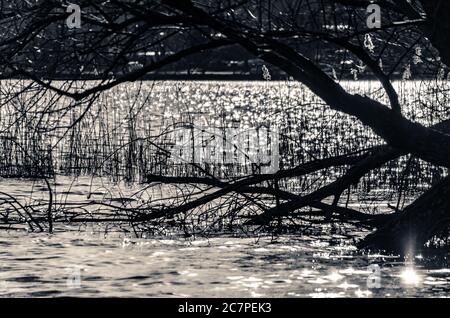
(306, 40)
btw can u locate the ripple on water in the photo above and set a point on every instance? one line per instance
(34, 265)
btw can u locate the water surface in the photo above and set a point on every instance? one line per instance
(92, 264)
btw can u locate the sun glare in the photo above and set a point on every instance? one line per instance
(410, 277)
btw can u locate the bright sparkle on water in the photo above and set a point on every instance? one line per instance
(114, 266)
(35, 265)
(334, 276)
(410, 277)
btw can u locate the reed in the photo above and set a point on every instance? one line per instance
(129, 133)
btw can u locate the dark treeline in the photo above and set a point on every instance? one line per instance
(118, 54)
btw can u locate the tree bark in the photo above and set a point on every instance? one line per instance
(428, 144)
(412, 228)
(438, 26)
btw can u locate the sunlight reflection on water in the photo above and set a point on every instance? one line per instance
(40, 265)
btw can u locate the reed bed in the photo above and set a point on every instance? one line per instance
(129, 133)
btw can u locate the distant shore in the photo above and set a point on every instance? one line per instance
(210, 76)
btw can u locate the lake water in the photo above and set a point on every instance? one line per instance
(88, 263)
(96, 260)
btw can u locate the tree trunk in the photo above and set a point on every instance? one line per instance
(438, 26)
(412, 228)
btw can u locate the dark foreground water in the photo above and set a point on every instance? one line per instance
(88, 264)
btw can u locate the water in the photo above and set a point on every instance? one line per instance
(113, 265)
(100, 260)
(122, 134)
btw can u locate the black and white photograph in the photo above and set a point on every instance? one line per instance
(224, 149)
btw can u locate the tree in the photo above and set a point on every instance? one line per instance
(115, 31)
